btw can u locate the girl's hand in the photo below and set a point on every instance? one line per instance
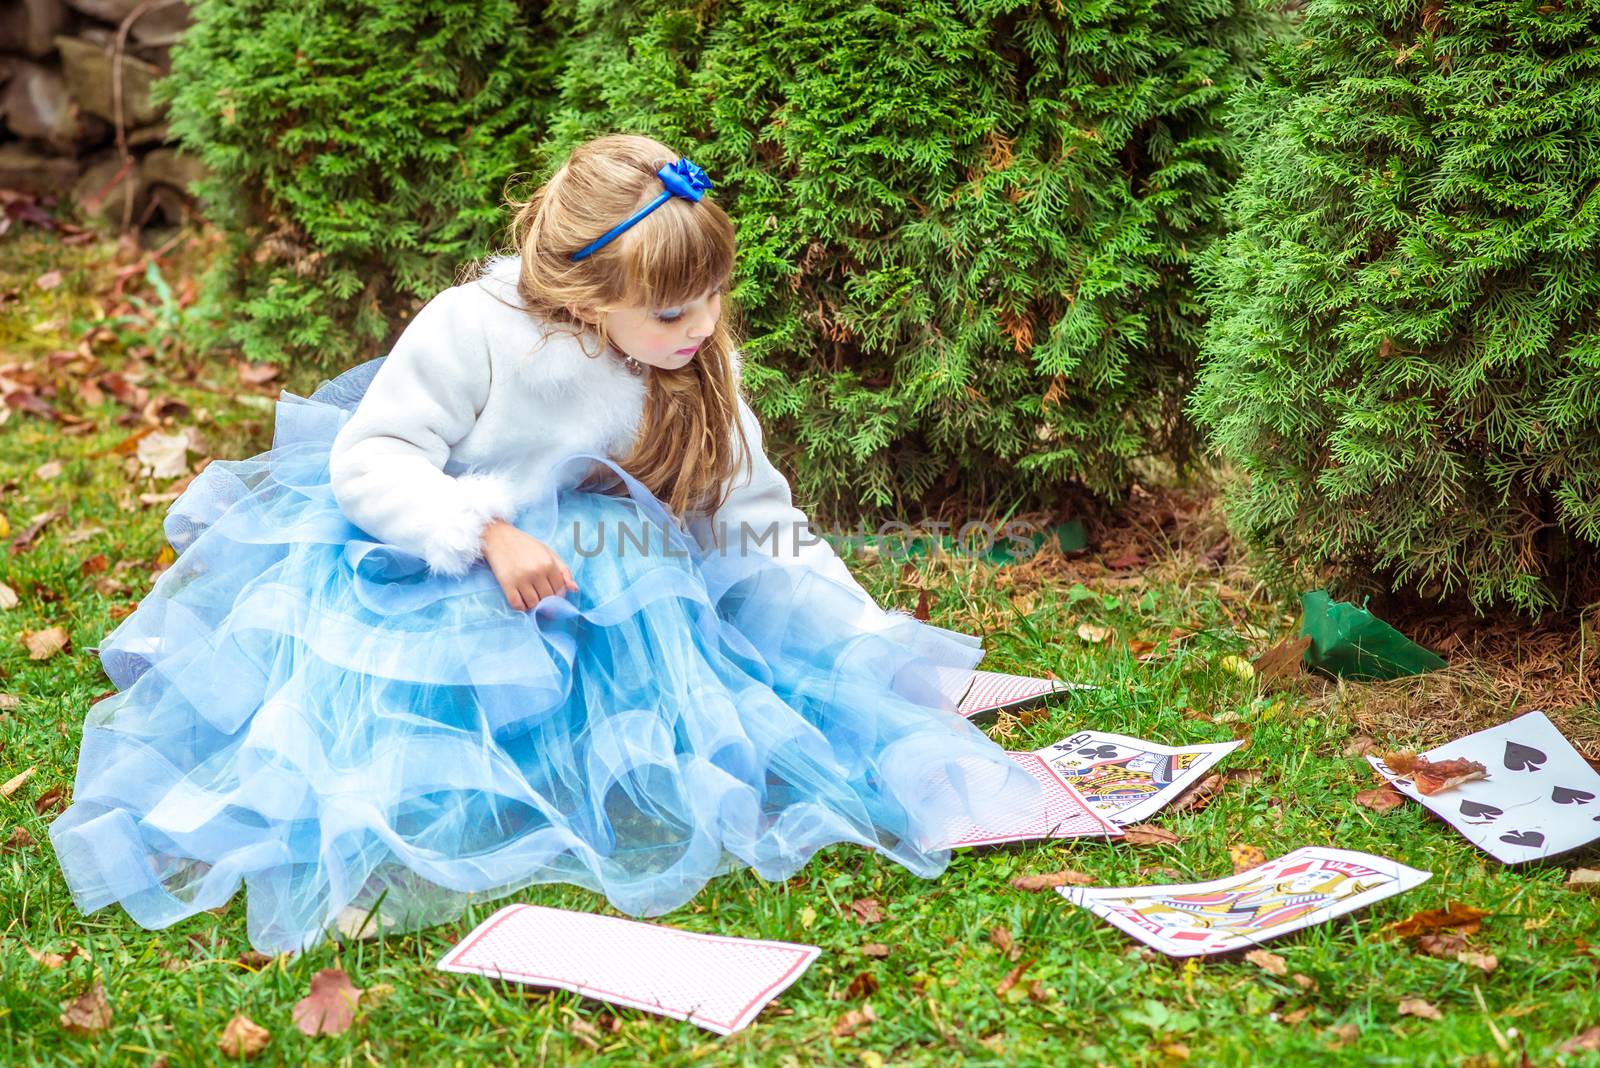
(527, 569)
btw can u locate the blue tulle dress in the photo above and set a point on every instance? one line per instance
(308, 712)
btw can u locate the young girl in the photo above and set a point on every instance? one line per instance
(533, 605)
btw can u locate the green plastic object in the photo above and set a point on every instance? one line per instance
(1352, 643)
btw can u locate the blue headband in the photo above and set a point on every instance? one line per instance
(682, 179)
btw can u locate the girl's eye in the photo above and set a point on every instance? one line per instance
(669, 316)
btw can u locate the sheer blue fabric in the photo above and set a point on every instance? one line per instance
(305, 711)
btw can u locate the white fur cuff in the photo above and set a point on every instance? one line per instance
(455, 544)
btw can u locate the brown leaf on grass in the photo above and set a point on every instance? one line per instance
(94, 564)
(1341, 1036)
(13, 784)
(330, 1008)
(922, 606)
(1012, 977)
(50, 800)
(1051, 880)
(1093, 633)
(1268, 962)
(8, 598)
(1420, 1009)
(862, 986)
(1360, 745)
(1148, 834)
(43, 644)
(24, 541)
(1245, 857)
(1382, 799)
(1281, 663)
(1001, 937)
(257, 374)
(1433, 776)
(1584, 880)
(1486, 962)
(854, 1020)
(1304, 982)
(874, 949)
(1456, 915)
(243, 1038)
(56, 960)
(1298, 1016)
(19, 838)
(254, 959)
(867, 910)
(1584, 1043)
(1199, 795)
(1444, 946)
(89, 1012)
(1128, 558)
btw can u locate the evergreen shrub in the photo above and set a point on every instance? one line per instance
(1403, 358)
(966, 225)
(357, 154)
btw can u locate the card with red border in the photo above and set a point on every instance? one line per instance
(712, 981)
(1063, 813)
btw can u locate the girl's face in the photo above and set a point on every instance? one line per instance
(664, 337)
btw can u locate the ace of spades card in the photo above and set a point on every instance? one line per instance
(1128, 779)
(1540, 797)
(1308, 886)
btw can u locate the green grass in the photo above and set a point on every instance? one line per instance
(1103, 1000)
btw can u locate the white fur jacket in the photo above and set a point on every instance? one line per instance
(463, 422)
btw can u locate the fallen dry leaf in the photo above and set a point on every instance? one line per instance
(43, 644)
(1093, 633)
(89, 1012)
(1444, 946)
(330, 1008)
(243, 1038)
(1304, 982)
(254, 959)
(867, 910)
(1360, 745)
(1145, 834)
(1584, 1043)
(56, 960)
(874, 949)
(13, 784)
(8, 597)
(1420, 1009)
(1382, 799)
(1433, 776)
(1245, 857)
(862, 986)
(1281, 663)
(1001, 937)
(164, 456)
(48, 470)
(1267, 962)
(19, 838)
(1298, 1016)
(50, 800)
(1586, 880)
(1012, 977)
(854, 1020)
(1454, 914)
(1051, 880)
(1487, 962)
(1342, 1035)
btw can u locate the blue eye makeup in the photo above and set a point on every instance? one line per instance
(671, 315)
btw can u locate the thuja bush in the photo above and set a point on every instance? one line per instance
(357, 155)
(966, 227)
(1403, 358)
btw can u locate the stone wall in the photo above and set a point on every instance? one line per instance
(65, 130)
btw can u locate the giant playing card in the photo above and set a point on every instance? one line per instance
(1060, 814)
(982, 692)
(1540, 797)
(1129, 779)
(716, 982)
(1309, 886)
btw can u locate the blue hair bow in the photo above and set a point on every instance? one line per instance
(681, 179)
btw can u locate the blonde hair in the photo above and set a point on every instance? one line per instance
(684, 452)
